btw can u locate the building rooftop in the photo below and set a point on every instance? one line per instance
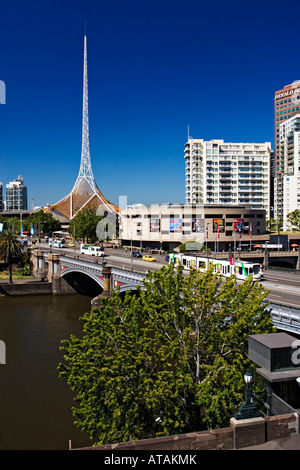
(274, 340)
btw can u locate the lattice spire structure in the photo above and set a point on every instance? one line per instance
(85, 192)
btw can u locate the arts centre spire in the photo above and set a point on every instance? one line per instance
(85, 192)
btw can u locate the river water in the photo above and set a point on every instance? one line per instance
(35, 405)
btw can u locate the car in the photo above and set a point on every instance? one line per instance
(58, 244)
(149, 258)
(136, 254)
(71, 244)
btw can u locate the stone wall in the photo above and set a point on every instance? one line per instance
(26, 288)
(281, 426)
(62, 287)
(240, 434)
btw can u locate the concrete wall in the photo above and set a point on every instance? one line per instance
(240, 434)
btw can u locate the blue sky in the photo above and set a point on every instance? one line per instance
(154, 68)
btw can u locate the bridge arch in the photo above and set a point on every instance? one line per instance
(283, 262)
(83, 281)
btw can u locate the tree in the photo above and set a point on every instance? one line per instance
(273, 225)
(167, 361)
(10, 246)
(294, 219)
(42, 222)
(193, 246)
(84, 225)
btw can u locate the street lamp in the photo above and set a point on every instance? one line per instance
(206, 236)
(248, 410)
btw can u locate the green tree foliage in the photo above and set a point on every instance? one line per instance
(273, 225)
(294, 219)
(193, 246)
(10, 247)
(41, 222)
(167, 361)
(84, 225)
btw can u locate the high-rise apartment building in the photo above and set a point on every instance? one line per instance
(217, 172)
(289, 164)
(16, 195)
(286, 105)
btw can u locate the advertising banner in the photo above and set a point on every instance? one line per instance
(238, 224)
(218, 225)
(197, 225)
(154, 225)
(175, 225)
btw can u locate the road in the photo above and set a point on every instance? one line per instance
(284, 287)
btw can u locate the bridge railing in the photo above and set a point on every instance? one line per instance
(97, 267)
(282, 269)
(285, 317)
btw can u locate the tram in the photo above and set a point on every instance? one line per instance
(240, 269)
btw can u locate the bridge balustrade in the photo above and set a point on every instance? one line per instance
(284, 317)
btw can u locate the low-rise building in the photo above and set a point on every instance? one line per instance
(166, 226)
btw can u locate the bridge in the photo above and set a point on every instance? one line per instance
(63, 272)
(273, 258)
(124, 279)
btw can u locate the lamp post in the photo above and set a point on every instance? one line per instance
(248, 410)
(206, 236)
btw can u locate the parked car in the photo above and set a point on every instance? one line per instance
(136, 254)
(149, 258)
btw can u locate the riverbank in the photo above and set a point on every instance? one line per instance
(25, 287)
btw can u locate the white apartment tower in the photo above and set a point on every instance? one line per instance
(289, 161)
(218, 172)
(16, 195)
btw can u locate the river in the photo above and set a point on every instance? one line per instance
(35, 405)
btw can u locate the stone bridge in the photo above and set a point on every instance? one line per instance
(70, 275)
(67, 274)
(124, 279)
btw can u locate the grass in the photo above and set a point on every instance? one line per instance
(4, 276)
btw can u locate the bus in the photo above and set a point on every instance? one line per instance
(240, 269)
(92, 250)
